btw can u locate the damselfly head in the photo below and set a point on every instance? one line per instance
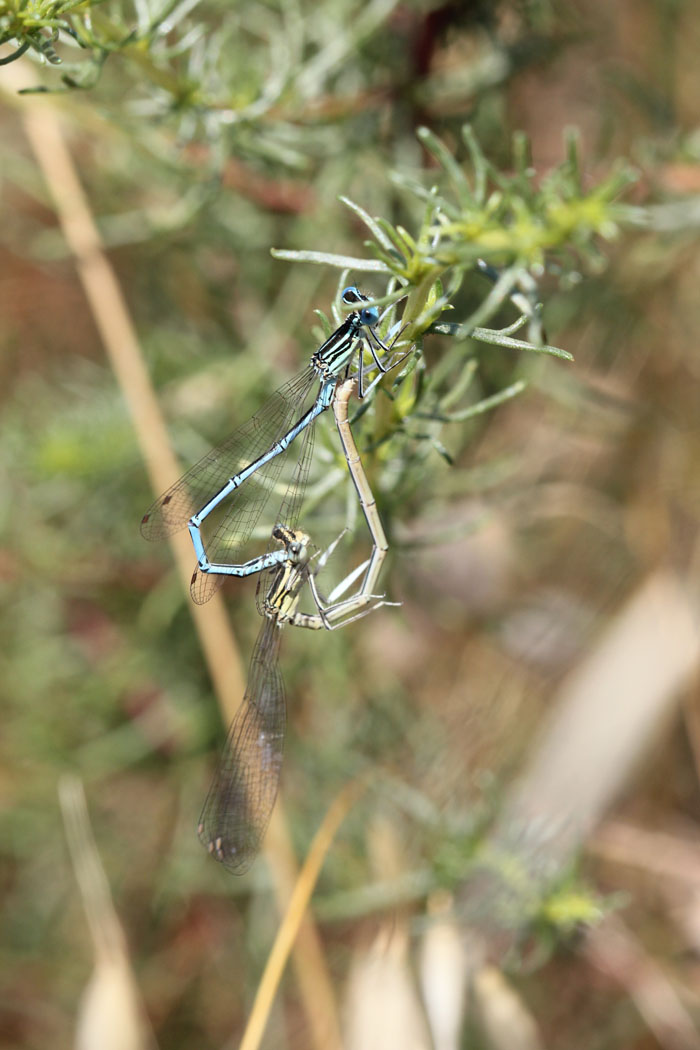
(353, 297)
(295, 542)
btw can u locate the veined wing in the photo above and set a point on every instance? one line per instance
(200, 483)
(242, 512)
(204, 585)
(240, 801)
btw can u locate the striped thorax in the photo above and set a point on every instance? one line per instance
(331, 358)
(282, 596)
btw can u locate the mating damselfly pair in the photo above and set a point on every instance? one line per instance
(231, 485)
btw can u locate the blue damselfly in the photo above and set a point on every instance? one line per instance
(252, 455)
(242, 795)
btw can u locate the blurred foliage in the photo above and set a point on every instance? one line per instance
(205, 134)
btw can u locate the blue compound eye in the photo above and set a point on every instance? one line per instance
(351, 296)
(370, 316)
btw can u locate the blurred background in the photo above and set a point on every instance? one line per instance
(523, 867)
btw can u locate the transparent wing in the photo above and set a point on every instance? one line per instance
(240, 800)
(220, 546)
(175, 507)
(289, 510)
(204, 585)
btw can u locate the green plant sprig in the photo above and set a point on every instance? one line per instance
(36, 24)
(512, 221)
(474, 224)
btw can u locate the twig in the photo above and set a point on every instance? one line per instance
(296, 910)
(109, 309)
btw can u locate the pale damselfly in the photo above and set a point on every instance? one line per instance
(239, 804)
(252, 454)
